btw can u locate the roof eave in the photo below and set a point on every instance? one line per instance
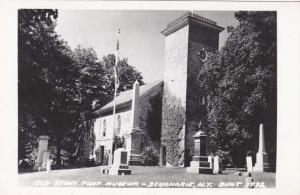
(188, 19)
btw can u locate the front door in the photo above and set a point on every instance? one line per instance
(101, 155)
(163, 156)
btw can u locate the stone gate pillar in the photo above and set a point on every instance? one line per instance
(42, 148)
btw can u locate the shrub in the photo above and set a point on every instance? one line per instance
(150, 156)
(118, 142)
(25, 164)
(173, 126)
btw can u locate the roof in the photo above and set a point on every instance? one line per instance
(124, 99)
(189, 18)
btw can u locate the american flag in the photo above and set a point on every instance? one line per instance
(117, 82)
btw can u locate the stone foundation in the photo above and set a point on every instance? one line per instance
(262, 164)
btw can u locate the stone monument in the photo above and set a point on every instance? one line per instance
(42, 154)
(133, 137)
(199, 163)
(261, 164)
(120, 164)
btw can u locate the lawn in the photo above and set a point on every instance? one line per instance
(143, 177)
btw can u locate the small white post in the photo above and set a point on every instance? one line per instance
(249, 164)
(49, 162)
(216, 169)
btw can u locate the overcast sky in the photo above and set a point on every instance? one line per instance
(141, 40)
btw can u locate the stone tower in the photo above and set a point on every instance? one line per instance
(188, 39)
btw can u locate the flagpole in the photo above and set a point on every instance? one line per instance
(116, 83)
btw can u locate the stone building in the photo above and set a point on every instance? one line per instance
(188, 40)
(147, 110)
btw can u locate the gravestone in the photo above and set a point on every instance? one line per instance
(216, 167)
(211, 161)
(199, 163)
(120, 164)
(249, 164)
(42, 147)
(261, 164)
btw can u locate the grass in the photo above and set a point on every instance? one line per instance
(142, 177)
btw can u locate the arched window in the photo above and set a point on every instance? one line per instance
(104, 128)
(118, 125)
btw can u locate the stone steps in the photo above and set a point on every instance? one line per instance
(197, 170)
(199, 164)
(113, 171)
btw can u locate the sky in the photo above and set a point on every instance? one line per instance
(141, 41)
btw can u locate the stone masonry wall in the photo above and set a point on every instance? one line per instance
(107, 140)
(182, 97)
(199, 38)
(174, 96)
(146, 108)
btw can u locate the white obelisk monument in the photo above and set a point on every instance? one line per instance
(261, 164)
(133, 137)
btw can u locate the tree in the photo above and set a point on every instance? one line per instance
(32, 25)
(47, 78)
(240, 84)
(59, 89)
(127, 74)
(92, 88)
